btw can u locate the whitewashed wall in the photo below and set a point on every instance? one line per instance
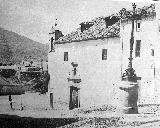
(145, 64)
(98, 76)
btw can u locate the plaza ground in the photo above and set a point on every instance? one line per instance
(36, 112)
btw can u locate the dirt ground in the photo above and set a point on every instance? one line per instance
(12, 121)
(34, 105)
(36, 111)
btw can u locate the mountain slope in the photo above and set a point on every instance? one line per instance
(14, 48)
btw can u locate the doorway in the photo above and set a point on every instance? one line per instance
(51, 100)
(74, 98)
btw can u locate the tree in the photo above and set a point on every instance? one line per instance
(41, 83)
(7, 72)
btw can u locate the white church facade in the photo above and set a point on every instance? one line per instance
(86, 65)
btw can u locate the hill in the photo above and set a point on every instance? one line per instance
(14, 48)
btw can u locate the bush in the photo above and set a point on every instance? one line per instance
(41, 83)
(12, 90)
(7, 72)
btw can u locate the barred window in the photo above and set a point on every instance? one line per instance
(104, 54)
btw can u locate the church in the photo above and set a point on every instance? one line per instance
(86, 65)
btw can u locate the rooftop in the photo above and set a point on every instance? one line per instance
(106, 27)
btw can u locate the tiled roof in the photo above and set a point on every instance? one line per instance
(100, 29)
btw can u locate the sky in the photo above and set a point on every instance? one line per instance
(34, 18)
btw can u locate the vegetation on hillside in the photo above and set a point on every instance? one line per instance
(14, 48)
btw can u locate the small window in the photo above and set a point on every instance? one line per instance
(138, 47)
(65, 56)
(159, 25)
(152, 52)
(138, 26)
(104, 54)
